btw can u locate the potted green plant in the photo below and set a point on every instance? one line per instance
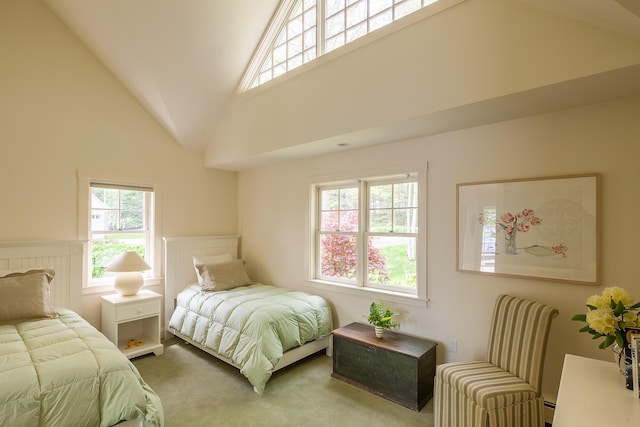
(381, 317)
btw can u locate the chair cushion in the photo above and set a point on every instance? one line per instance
(489, 386)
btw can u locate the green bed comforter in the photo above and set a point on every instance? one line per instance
(251, 326)
(63, 372)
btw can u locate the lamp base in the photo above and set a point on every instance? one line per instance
(128, 283)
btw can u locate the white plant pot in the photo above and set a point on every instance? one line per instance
(379, 331)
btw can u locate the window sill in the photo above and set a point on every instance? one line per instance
(388, 296)
(108, 286)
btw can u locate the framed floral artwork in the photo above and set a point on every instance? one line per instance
(542, 228)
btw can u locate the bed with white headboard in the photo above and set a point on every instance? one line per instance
(55, 367)
(180, 276)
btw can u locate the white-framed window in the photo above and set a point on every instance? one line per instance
(117, 216)
(303, 30)
(370, 233)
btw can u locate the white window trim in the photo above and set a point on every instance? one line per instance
(84, 217)
(420, 298)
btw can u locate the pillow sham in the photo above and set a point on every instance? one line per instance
(25, 295)
(210, 259)
(223, 276)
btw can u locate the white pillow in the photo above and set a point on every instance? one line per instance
(209, 260)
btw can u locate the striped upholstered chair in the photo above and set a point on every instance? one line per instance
(505, 390)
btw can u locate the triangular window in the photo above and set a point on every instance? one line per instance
(302, 30)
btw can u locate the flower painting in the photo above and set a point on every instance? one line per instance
(510, 225)
(540, 227)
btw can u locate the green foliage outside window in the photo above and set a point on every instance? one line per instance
(103, 251)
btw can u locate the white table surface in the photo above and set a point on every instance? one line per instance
(593, 393)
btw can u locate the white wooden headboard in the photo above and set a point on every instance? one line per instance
(178, 262)
(64, 257)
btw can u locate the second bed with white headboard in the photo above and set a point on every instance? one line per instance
(244, 336)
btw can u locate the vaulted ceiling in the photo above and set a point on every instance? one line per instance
(183, 60)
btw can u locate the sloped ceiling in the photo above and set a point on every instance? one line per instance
(183, 60)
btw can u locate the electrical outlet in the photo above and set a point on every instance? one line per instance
(452, 346)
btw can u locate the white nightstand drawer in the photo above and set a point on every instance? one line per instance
(133, 311)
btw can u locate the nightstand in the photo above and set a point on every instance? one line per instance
(133, 322)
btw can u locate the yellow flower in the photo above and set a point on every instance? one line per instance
(618, 294)
(598, 301)
(602, 320)
(609, 315)
(630, 318)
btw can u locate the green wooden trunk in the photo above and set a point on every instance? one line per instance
(397, 367)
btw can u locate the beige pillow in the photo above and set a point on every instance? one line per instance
(25, 295)
(210, 259)
(223, 276)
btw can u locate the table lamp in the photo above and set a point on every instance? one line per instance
(128, 265)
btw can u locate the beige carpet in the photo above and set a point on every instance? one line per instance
(198, 390)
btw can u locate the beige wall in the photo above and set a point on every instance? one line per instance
(273, 208)
(61, 111)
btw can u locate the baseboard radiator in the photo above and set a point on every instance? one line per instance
(549, 410)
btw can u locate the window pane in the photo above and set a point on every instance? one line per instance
(381, 196)
(294, 62)
(349, 198)
(280, 54)
(310, 38)
(131, 220)
(338, 256)
(330, 221)
(309, 19)
(279, 70)
(377, 6)
(392, 261)
(380, 21)
(265, 77)
(380, 220)
(131, 199)
(111, 218)
(356, 13)
(405, 220)
(334, 25)
(335, 42)
(104, 197)
(349, 220)
(329, 199)
(405, 195)
(332, 6)
(295, 46)
(407, 7)
(309, 55)
(356, 32)
(294, 27)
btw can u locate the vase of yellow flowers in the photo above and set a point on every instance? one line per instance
(608, 316)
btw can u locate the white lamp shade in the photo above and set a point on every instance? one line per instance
(128, 261)
(129, 265)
